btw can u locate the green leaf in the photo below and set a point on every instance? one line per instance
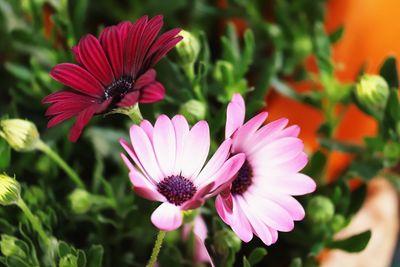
(81, 258)
(16, 262)
(355, 243)
(257, 255)
(340, 146)
(95, 256)
(19, 71)
(336, 35)
(63, 249)
(365, 168)
(388, 71)
(248, 53)
(357, 198)
(316, 164)
(246, 263)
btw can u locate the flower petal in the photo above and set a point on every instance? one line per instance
(164, 144)
(181, 127)
(167, 217)
(133, 42)
(94, 59)
(145, 153)
(111, 43)
(195, 151)
(144, 188)
(239, 223)
(154, 92)
(235, 115)
(77, 78)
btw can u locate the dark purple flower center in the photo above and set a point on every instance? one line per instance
(242, 180)
(119, 88)
(176, 189)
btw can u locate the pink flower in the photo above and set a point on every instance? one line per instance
(112, 71)
(169, 160)
(199, 228)
(260, 199)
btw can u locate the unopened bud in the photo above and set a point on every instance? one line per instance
(80, 201)
(9, 247)
(372, 91)
(320, 209)
(188, 49)
(193, 110)
(21, 135)
(10, 190)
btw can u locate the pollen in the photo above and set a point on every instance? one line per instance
(176, 189)
(243, 179)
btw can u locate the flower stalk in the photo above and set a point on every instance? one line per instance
(156, 249)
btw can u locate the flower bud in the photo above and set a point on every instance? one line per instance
(302, 45)
(80, 201)
(10, 190)
(188, 49)
(226, 240)
(372, 91)
(68, 260)
(21, 135)
(193, 110)
(320, 209)
(9, 248)
(338, 222)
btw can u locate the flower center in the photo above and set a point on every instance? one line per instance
(176, 189)
(242, 180)
(119, 88)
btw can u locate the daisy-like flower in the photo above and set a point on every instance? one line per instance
(169, 159)
(114, 70)
(260, 200)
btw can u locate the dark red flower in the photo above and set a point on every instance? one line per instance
(114, 70)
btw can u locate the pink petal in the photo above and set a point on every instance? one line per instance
(259, 228)
(235, 115)
(215, 163)
(94, 59)
(127, 162)
(123, 29)
(181, 131)
(145, 79)
(297, 184)
(198, 199)
(200, 233)
(148, 129)
(239, 223)
(145, 153)
(167, 217)
(111, 43)
(245, 133)
(195, 151)
(222, 210)
(144, 188)
(77, 78)
(152, 93)
(269, 212)
(128, 148)
(164, 144)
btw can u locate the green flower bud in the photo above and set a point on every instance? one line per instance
(226, 240)
(372, 91)
(9, 247)
(34, 195)
(10, 190)
(302, 45)
(21, 135)
(80, 201)
(68, 260)
(338, 222)
(320, 209)
(224, 72)
(193, 110)
(188, 49)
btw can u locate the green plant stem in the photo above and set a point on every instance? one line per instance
(156, 249)
(132, 112)
(36, 224)
(63, 165)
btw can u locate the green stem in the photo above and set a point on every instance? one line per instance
(63, 165)
(156, 249)
(34, 221)
(132, 112)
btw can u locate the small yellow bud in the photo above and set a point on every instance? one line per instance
(372, 91)
(21, 135)
(10, 190)
(189, 48)
(9, 248)
(193, 110)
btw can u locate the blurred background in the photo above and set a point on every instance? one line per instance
(306, 59)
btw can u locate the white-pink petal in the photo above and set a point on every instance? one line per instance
(144, 188)
(181, 130)
(239, 223)
(235, 115)
(167, 217)
(164, 144)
